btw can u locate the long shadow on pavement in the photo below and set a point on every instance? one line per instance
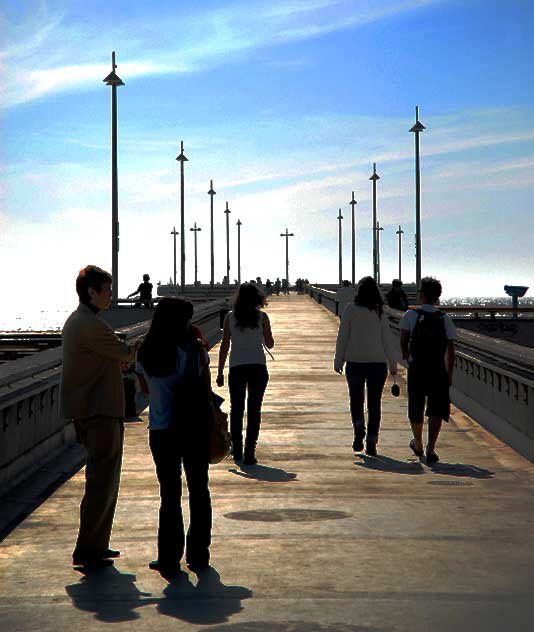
(110, 594)
(461, 469)
(207, 603)
(387, 464)
(264, 473)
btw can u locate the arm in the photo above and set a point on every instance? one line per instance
(223, 352)
(101, 339)
(267, 333)
(449, 360)
(341, 342)
(206, 373)
(387, 343)
(405, 343)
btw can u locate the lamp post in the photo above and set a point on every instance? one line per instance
(378, 229)
(353, 204)
(287, 236)
(227, 213)
(340, 248)
(239, 251)
(181, 159)
(195, 230)
(114, 81)
(400, 232)
(417, 128)
(211, 193)
(174, 232)
(374, 178)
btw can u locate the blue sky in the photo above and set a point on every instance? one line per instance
(285, 105)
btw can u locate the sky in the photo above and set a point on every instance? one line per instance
(285, 105)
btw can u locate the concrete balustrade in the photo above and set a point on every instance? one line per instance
(31, 430)
(493, 380)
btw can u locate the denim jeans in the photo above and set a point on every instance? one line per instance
(254, 377)
(372, 374)
(171, 537)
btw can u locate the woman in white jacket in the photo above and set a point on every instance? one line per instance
(364, 343)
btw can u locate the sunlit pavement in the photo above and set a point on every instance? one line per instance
(313, 538)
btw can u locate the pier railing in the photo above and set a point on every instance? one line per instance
(493, 379)
(31, 431)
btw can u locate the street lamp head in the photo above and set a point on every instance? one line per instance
(113, 79)
(340, 216)
(211, 191)
(227, 210)
(181, 157)
(375, 175)
(418, 127)
(239, 222)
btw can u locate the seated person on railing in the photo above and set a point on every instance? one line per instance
(396, 297)
(145, 293)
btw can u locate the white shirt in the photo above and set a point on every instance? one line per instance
(409, 320)
(246, 344)
(364, 336)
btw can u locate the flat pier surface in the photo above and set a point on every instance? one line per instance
(313, 538)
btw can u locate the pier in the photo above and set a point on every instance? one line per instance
(313, 538)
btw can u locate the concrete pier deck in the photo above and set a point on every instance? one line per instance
(313, 538)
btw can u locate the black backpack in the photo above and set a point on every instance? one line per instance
(428, 341)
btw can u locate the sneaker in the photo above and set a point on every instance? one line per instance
(432, 457)
(165, 568)
(370, 449)
(250, 458)
(359, 436)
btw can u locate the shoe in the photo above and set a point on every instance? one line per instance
(370, 449)
(107, 553)
(417, 452)
(91, 564)
(237, 452)
(432, 457)
(81, 558)
(165, 568)
(359, 436)
(250, 458)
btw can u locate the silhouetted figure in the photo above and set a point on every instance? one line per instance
(172, 362)
(277, 286)
(364, 343)
(268, 287)
(247, 328)
(92, 395)
(344, 296)
(427, 342)
(145, 293)
(396, 297)
(285, 286)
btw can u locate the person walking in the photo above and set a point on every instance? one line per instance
(246, 329)
(277, 286)
(173, 364)
(427, 343)
(364, 343)
(396, 297)
(92, 395)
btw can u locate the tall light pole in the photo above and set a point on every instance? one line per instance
(181, 159)
(374, 178)
(378, 229)
(195, 230)
(400, 232)
(227, 213)
(417, 128)
(211, 193)
(353, 204)
(239, 251)
(174, 232)
(114, 81)
(287, 236)
(340, 241)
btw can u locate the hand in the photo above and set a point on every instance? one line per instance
(338, 369)
(220, 380)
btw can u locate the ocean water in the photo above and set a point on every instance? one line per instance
(35, 319)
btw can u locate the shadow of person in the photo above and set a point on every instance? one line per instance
(207, 603)
(110, 594)
(387, 464)
(460, 469)
(264, 473)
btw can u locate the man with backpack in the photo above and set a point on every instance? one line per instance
(427, 336)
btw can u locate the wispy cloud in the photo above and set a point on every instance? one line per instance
(34, 55)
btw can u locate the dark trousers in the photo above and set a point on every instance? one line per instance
(253, 377)
(171, 537)
(103, 439)
(372, 374)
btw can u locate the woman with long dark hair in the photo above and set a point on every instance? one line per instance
(364, 343)
(173, 363)
(246, 329)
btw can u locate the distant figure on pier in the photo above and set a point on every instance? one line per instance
(365, 344)
(268, 287)
(173, 363)
(277, 286)
(246, 329)
(92, 395)
(259, 283)
(285, 286)
(344, 296)
(396, 297)
(145, 293)
(427, 342)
